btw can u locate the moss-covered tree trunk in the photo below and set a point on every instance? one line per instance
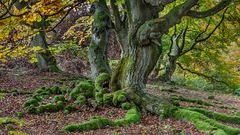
(45, 60)
(98, 47)
(138, 60)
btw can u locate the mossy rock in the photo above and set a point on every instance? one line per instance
(47, 108)
(59, 98)
(81, 100)
(93, 124)
(119, 97)
(8, 120)
(126, 105)
(60, 104)
(85, 87)
(211, 97)
(99, 97)
(33, 102)
(42, 91)
(70, 108)
(108, 99)
(55, 90)
(31, 109)
(102, 81)
(19, 114)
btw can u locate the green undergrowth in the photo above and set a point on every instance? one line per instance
(7, 122)
(204, 123)
(132, 116)
(94, 94)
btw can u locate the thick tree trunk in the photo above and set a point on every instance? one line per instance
(45, 60)
(98, 47)
(137, 62)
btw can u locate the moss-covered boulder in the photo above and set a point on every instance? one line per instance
(119, 97)
(81, 100)
(107, 99)
(102, 81)
(47, 108)
(85, 87)
(59, 98)
(33, 102)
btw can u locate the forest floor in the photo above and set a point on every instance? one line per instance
(51, 123)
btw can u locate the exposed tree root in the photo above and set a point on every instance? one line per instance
(132, 116)
(204, 123)
(97, 94)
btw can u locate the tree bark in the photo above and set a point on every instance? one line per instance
(45, 60)
(137, 62)
(98, 47)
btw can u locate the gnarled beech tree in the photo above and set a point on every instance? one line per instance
(139, 32)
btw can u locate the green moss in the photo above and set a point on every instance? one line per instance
(81, 100)
(218, 116)
(19, 114)
(16, 132)
(237, 92)
(132, 116)
(7, 120)
(126, 105)
(85, 87)
(70, 108)
(101, 80)
(108, 98)
(33, 102)
(99, 97)
(1, 95)
(59, 98)
(119, 97)
(92, 124)
(205, 124)
(211, 97)
(60, 104)
(31, 109)
(55, 90)
(47, 108)
(200, 102)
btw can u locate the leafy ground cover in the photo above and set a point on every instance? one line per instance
(17, 88)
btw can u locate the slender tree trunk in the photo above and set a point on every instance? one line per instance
(98, 47)
(170, 68)
(45, 60)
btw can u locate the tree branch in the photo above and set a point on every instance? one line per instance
(202, 75)
(212, 11)
(116, 15)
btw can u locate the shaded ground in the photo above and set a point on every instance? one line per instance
(51, 123)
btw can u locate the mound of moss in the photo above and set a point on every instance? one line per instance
(85, 88)
(102, 81)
